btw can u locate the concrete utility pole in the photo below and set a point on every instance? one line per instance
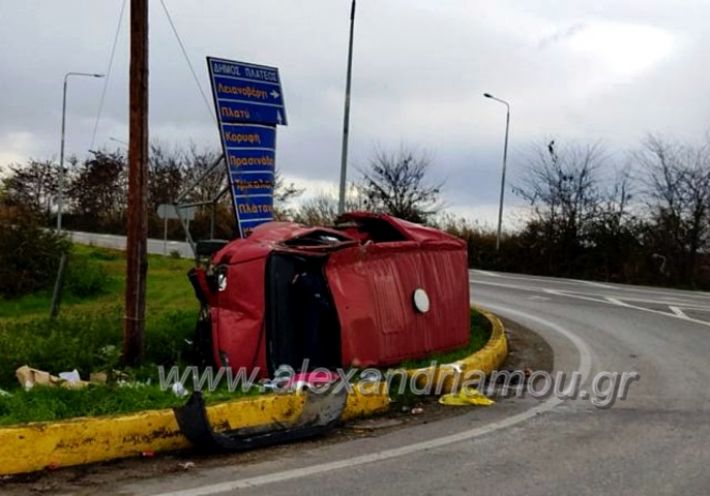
(505, 159)
(137, 232)
(346, 118)
(60, 188)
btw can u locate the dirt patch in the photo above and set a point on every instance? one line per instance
(527, 350)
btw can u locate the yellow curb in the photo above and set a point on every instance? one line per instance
(449, 377)
(87, 440)
(80, 441)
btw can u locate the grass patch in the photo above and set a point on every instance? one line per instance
(87, 336)
(90, 342)
(50, 403)
(88, 333)
(167, 286)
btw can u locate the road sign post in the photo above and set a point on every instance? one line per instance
(167, 211)
(249, 104)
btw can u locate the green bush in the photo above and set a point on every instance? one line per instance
(63, 344)
(89, 343)
(169, 337)
(29, 254)
(85, 277)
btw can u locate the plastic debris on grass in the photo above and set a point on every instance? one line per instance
(179, 390)
(312, 379)
(466, 396)
(29, 377)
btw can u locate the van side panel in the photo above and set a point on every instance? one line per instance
(373, 287)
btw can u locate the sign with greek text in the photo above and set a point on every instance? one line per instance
(249, 104)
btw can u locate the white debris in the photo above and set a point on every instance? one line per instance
(71, 377)
(179, 390)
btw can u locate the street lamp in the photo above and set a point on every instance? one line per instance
(60, 193)
(505, 159)
(346, 118)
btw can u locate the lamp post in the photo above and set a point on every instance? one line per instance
(505, 159)
(60, 193)
(346, 118)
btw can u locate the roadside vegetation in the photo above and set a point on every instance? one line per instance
(640, 216)
(646, 222)
(87, 336)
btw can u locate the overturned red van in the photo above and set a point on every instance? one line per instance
(372, 291)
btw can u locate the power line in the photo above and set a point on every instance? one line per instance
(187, 59)
(108, 73)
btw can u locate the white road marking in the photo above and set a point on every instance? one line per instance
(486, 273)
(593, 283)
(508, 286)
(627, 305)
(584, 368)
(661, 292)
(609, 300)
(666, 302)
(678, 312)
(534, 279)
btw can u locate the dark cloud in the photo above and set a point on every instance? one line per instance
(420, 69)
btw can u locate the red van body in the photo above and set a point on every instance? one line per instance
(338, 297)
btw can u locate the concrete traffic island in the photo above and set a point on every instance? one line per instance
(42, 445)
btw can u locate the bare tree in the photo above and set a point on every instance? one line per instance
(33, 186)
(677, 187)
(564, 191)
(99, 191)
(166, 172)
(396, 183)
(319, 211)
(613, 234)
(284, 191)
(199, 162)
(323, 209)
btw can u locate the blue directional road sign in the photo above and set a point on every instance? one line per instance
(249, 150)
(246, 92)
(249, 104)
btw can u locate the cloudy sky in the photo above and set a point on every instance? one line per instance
(607, 70)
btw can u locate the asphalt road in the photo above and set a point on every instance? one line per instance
(655, 441)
